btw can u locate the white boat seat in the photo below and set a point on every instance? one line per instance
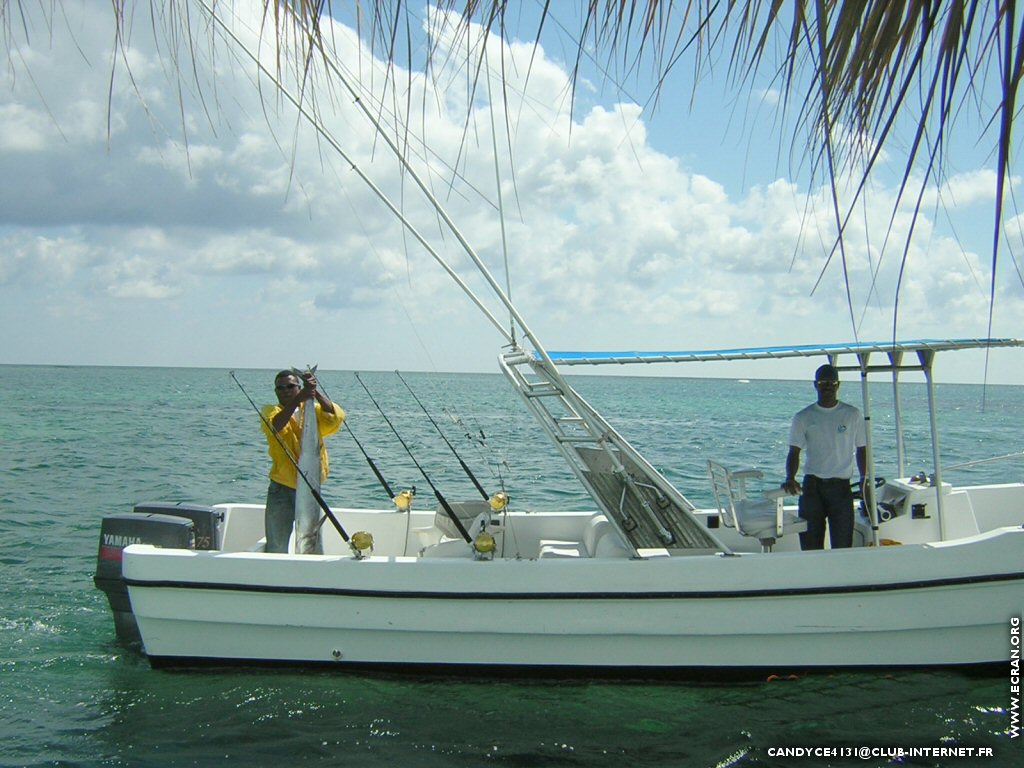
(448, 547)
(425, 536)
(600, 539)
(761, 518)
(552, 548)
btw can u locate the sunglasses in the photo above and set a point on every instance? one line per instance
(287, 386)
(827, 383)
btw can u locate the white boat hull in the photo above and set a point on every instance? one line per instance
(947, 604)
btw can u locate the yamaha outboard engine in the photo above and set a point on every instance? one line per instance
(162, 525)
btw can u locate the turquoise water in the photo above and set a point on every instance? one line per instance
(80, 443)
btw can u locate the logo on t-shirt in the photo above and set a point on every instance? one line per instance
(842, 428)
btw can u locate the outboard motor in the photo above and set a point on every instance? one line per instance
(162, 525)
(208, 521)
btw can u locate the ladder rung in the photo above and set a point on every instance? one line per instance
(543, 392)
(575, 439)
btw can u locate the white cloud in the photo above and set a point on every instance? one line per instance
(229, 208)
(25, 130)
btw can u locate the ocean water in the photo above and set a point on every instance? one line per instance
(80, 443)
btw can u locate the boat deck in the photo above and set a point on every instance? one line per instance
(909, 518)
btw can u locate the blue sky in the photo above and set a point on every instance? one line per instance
(199, 222)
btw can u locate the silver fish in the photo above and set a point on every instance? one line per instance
(307, 511)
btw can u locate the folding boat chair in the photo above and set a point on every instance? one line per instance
(761, 518)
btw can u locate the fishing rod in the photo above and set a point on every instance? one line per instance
(370, 461)
(403, 499)
(316, 493)
(465, 467)
(440, 497)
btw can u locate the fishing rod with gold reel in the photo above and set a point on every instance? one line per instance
(483, 542)
(362, 541)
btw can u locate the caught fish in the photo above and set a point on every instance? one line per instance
(307, 511)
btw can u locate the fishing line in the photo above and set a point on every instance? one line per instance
(437, 494)
(316, 494)
(967, 464)
(455, 453)
(492, 458)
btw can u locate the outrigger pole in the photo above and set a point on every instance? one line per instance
(316, 493)
(465, 467)
(437, 494)
(319, 127)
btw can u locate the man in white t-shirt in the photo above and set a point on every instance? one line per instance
(832, 435)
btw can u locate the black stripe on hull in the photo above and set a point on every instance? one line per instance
(659, 595)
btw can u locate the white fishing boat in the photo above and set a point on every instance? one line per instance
(643, 582)
(646, 582)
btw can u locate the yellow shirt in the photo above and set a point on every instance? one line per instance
(282, 469)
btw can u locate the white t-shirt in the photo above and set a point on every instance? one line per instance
(829, 439)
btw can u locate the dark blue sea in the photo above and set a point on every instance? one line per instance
(80, 443)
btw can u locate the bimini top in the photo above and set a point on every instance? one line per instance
(760, 353)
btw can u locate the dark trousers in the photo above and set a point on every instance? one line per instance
(826, 500)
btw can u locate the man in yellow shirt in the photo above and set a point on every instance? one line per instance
(283, 446)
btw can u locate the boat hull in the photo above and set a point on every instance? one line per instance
(948, 604)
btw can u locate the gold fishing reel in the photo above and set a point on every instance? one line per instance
(362, 544)
(498, 501)
(484, 545)
(404, 499)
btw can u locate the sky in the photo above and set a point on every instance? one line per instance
(188, 216)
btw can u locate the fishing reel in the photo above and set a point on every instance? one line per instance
(484, 545)
(404, 499)
(361, 544)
